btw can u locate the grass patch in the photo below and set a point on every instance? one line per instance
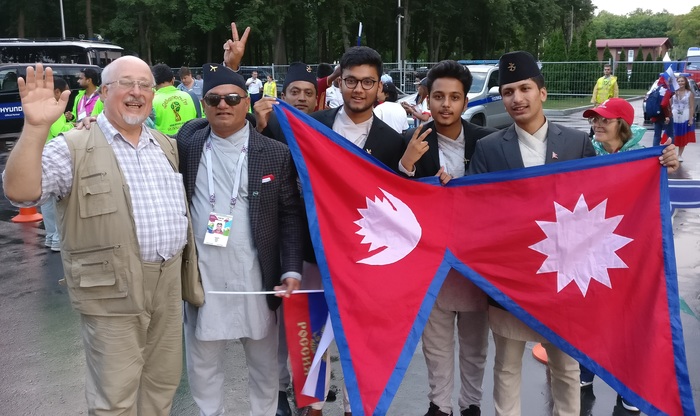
(562, 102)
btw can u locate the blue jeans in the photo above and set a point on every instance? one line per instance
(48, 211)
(659, 127)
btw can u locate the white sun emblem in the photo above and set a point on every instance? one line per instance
(581, 245)
(388, 223)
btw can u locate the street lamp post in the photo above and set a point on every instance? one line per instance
(63, 22)
(399, 16)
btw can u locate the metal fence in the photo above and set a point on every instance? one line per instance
(563, 79)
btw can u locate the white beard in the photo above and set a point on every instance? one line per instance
(134, 120)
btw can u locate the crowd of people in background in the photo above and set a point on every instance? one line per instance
(230, 146)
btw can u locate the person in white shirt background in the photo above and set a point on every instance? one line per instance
(255, 87)
(388, 110)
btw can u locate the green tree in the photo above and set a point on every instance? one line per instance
(685, 30)
(607, 56)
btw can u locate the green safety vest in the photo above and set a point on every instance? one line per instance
(605, 89)
(172, 109)
(59, 126)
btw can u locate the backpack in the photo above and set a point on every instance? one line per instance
(653, 103)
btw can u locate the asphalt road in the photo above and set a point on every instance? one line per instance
(42, 358)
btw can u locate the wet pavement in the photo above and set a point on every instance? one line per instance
(42, 359)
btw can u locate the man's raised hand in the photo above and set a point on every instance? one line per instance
(416, 148)
(234, 48)
(38, 101)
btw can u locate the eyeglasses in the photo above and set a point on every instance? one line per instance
(128, 84)
(367, 83)
(601, 120)
(213, 100)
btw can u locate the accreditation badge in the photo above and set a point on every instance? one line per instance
(218, 229)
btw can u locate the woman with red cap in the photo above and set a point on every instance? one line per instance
(613, 128)
(614, 131)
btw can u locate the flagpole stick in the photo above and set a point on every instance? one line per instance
(268, 292)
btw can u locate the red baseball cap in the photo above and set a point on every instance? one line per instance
(613, 108)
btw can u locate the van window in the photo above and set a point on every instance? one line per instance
(493, 79)
(8, 80)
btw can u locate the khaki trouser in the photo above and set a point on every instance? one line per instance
(439, 351)
(510, 336)
(134, 363)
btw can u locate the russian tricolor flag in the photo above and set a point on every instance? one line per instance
(305, 317)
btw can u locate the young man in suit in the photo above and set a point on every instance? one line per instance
(444, 147)
(531, 141)
(361, 69)
(234, 174)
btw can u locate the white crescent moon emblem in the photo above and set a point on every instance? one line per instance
(391, 224)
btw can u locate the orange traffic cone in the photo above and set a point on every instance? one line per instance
(27, 215)
(539, 353)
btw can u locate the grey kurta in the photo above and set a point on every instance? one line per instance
(236, 266)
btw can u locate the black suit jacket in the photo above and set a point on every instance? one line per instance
(429, 163)
(274, 130)
(383, 142)
(275, 207)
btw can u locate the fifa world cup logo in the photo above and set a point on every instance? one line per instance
(175, 106)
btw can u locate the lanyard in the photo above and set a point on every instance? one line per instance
(237, 179)
(85, 101)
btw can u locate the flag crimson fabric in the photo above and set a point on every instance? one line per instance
(580, 251)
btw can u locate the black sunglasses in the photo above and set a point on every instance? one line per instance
(213, 100)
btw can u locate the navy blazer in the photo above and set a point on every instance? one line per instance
(501, 150)
(275, 207)
(429, 163)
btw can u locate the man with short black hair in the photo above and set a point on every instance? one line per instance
(325, 76)
(444, 147)
(361, 68)
(88, 97)
(171, 107)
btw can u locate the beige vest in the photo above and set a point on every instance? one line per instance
(99, 248)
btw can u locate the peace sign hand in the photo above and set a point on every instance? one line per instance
(235, 48)
(416, 148)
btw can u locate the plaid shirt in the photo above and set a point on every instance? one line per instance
(157, 192)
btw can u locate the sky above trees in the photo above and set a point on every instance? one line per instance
(623, 7)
